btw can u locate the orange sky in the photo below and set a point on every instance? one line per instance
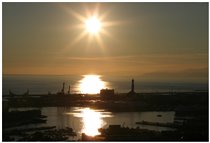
(162, 41)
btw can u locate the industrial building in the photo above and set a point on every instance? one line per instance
(107, 92)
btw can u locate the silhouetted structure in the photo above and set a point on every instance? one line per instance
(69, 89)
(132, 86)
(132, 92)
(62, 90)
(107, 92)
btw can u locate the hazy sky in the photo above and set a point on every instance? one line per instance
(155, 41)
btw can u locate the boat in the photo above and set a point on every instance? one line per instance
(159, 115)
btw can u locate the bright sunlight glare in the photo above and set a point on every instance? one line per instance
(91, 84)
(92, 122)
(93, 25)
(90, 119)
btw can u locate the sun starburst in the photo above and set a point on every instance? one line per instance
(93, 26)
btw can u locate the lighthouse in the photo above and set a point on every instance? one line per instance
(132, 92)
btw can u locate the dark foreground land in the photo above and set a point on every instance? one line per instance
(191, 119)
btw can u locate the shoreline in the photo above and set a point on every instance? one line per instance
(180, 102)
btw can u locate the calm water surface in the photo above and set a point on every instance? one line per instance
(88, 120)
(41, 84)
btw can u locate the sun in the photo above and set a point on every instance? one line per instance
(91, 84)
(93, 25)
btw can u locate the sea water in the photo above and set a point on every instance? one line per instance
(42, 84)
(81, 121)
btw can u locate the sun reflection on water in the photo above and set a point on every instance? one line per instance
(91, 120)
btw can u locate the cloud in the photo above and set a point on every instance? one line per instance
(100, 58)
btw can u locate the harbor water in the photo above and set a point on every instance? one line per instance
(87, 120)
(43, 84)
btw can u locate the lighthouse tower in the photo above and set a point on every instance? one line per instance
(132, 92)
